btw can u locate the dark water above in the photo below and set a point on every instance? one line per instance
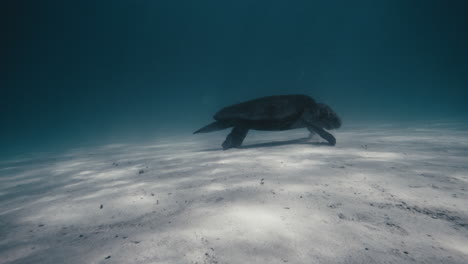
(94, 72)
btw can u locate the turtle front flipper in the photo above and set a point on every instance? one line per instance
(322, 133)
(235, 138)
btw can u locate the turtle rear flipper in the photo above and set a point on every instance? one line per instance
(235, 138)
(215, 126)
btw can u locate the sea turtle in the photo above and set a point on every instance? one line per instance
(274, 113)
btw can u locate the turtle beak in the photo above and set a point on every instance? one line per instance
(338, 122)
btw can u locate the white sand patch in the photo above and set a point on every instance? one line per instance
(382, 195)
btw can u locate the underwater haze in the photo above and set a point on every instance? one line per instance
(106, 105)
(97, 71)
(82, 72)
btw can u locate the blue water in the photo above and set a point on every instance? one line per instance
(94, 72)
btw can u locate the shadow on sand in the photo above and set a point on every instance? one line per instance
(299, 141)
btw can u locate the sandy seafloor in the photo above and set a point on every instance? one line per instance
(383, 194)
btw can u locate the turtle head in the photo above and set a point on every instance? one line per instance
(323, 116)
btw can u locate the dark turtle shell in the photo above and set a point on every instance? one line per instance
(267, 108)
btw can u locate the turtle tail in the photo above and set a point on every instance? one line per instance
(215, 126)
